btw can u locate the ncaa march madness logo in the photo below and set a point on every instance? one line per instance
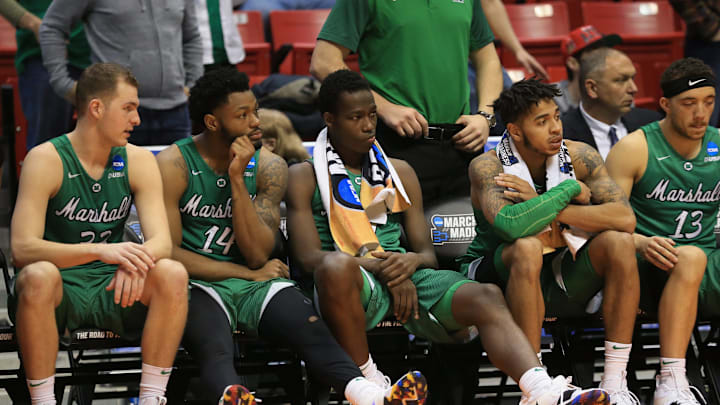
(457, 228)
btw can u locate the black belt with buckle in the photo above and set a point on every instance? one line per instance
(443, 132)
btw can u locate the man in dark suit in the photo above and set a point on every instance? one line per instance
(606, 113)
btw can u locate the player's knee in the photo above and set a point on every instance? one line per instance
(526, 258)
(616, 245)
(170, 276)
(488, 296)
(691, 265)
(336, 270)
(38, 281)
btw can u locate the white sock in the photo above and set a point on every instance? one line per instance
(42, 391)
(672, 367)
(616, 359)
(539, 356)
(361, 391)
(153, 381)
(534, 381)
(369, 368)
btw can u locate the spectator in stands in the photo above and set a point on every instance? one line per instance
(222, 44)
(48, 115)
(669, 168)
(606, 113)
(158, 41)
(416, 63)
(222, 193)
(579, 41)
(702, 41)
(279, 136)
(346, 236)
(67, 229)
(537, 201)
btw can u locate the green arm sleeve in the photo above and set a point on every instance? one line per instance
(530, 217)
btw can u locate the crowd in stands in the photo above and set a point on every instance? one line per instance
(585, 197)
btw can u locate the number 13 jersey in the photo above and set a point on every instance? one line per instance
(678, 198)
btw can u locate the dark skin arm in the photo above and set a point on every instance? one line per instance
(610, 209)
(305, 245)
(485, 192)
(174, 172)
(255, 223)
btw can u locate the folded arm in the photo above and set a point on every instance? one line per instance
(610, 209)
(514, 221)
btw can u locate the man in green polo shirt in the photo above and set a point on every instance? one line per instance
(415, 57)
(48, 114)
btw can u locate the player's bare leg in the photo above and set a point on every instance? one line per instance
(678, 303)
(339, 282)
(39, 292)
(612, 255)
(166, 297)
(524, 296)
(483, 305)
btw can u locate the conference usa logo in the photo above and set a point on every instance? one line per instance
(457, 228)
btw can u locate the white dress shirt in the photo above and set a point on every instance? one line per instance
(600, 131)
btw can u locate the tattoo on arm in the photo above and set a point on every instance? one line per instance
(596, 177)
(490, 196)
(586, 160)
(272, 182)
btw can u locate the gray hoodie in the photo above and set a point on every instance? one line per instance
(157, 39)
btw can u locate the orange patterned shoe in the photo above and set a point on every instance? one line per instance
(237, 395)
(411, 389)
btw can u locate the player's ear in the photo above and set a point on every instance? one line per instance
(665, 104)
(329, 119)
(96, 108)
(210, 122)
(514, 131)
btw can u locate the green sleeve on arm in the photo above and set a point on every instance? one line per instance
(530, 217)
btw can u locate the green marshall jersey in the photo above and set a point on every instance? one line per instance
(678, 198)
(86, 210)
(388, 234)
(206, 206)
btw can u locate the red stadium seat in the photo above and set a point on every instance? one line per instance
(650, 36)
(257, 51)
(540, 27)
(8, 47)
(299, 29)
(21, 125)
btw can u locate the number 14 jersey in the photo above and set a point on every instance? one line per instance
(678, 198)
(206, 206)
